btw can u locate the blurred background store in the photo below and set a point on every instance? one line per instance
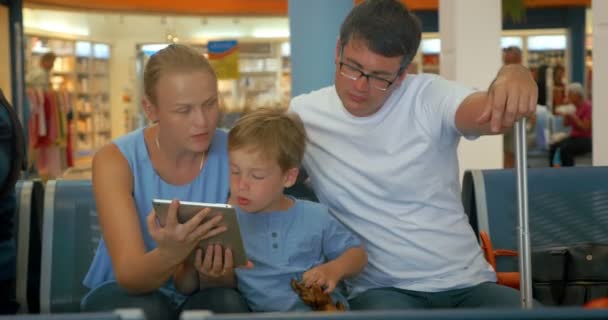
(101, 48)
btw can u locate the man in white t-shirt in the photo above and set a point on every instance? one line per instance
(382, 156)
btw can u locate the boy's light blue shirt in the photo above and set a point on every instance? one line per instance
(283, 245)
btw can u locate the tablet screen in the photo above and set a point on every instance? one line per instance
(231, 238)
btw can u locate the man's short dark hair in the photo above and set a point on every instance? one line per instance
(387, 27)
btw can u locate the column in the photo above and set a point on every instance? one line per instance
(314, 29)
(471, 55)
(5, 53)
(576, 32)
(17, 59)
(600, 79)
(123, 80)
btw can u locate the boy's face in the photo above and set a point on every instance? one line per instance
(257, 183)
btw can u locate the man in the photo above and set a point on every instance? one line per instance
(39, 77)
(579, 142)
(382, 156)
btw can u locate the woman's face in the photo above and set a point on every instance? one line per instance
(187, 109)
(574, 98)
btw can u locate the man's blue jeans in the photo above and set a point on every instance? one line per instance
(484, 295)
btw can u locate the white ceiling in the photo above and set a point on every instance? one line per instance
(151, 27)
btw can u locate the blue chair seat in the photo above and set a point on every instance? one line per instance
(70, 237)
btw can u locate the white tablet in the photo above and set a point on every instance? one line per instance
(231, 238)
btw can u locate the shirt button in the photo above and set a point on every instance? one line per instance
(274, 234)
(275, 245)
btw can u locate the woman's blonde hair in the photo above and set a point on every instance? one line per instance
(276, 134)
(173, 58)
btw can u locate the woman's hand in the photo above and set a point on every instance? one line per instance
(175, 240)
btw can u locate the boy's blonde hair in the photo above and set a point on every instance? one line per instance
(173, 58)
(278, 135)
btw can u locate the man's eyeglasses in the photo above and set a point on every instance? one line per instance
(354, 73)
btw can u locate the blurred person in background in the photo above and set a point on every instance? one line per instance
(579, 141)
(40, 76)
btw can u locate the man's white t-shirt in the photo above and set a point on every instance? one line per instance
(392, 178)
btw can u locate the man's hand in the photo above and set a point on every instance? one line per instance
(512, 96)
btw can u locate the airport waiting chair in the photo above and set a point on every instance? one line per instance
(70, 237)
(18, 188)
(451, 314)
(119, 314)
(567, 206)
(8, 247)
(8, 250)
(28, 230)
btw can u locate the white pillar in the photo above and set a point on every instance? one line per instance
(123, 80)
(470, 54)
(5, 54)
(600, 79)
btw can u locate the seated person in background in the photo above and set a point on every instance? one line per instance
(40, 76)
(284, 237)
(579, 141)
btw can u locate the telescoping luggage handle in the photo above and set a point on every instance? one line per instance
(525, 265)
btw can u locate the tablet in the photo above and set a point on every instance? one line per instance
(231, 238)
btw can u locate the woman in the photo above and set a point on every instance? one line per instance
(579, 142)
(182, 156)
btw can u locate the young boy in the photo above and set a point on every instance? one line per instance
(285, 238)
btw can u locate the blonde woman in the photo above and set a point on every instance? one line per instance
(182, 156)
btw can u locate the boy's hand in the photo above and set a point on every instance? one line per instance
(216, 268)
(315, 298)
(324, 275)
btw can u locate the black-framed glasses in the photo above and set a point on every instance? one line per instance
(353, 73)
